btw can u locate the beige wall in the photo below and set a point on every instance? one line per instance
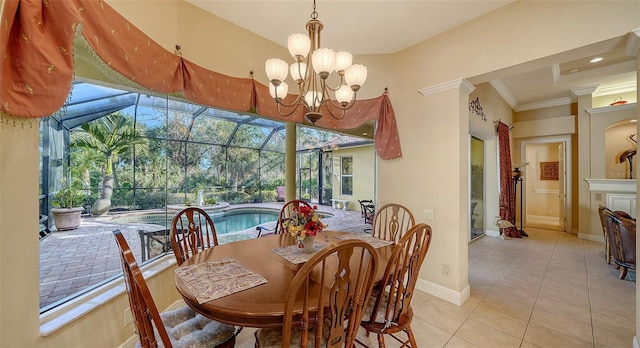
(616, 142)
(433, 173)
(363, 174)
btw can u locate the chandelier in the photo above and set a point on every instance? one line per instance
(310, 70)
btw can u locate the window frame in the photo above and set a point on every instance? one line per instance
(344, 176)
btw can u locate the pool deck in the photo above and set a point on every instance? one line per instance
(71, 261)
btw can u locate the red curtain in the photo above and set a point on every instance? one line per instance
(507, 191)
(37, 68)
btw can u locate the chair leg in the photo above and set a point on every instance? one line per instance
(623, 272)
(381, 341)
(412, 338)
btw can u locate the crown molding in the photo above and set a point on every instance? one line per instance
(544, 104)
(462, 84)
(576, 92)
(609, 69)
(633, 43)
(504, 92)
(555, 71)
(627, 87)
(610, 108)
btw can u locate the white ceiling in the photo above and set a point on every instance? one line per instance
(385, 27)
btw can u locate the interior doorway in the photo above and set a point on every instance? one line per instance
(476, 188)
(545, 184)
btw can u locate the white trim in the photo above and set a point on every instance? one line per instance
(631, 48)
(492, 233)
(67, 312)
(610, 108)
(444, 293)
(546, 191)
(612, 185)
(504, 92)
(462, 84)
(130, 342)
(576, 92)
(543, 104)
(591, 237)
(623, 88)
(635, 342)
(555, 71)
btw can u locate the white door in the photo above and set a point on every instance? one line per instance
(562, 187)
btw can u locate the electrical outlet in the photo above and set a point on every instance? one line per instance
(128, 317)
(428, 214)
(446, 269)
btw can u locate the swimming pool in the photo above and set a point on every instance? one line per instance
(226, 222)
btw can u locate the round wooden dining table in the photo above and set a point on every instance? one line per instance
(263, 305)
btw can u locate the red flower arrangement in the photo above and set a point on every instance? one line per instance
(304, 222)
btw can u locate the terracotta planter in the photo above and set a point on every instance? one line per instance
(66, 218)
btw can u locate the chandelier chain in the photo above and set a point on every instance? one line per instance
(314, 14)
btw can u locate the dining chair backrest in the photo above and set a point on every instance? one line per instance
(180, 327)
(287, 212)
(391, 311)
(391, 222)
(367, 210)
(143, 308)
(192, 231)
(347, 269)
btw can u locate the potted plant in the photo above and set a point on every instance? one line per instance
(67, 208)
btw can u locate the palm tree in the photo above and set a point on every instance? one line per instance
(111, 135)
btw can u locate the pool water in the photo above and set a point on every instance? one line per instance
(225, 222)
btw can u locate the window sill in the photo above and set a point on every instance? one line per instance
(76, 308)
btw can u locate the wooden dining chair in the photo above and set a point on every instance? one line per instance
(391, 222)
(367, 212)
(192, 230)
(347, 269)
(388, 310)
(181, 327)
(285, 214)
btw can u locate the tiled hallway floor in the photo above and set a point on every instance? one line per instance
(549, 290)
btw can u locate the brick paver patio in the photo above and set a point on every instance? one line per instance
(77, 260)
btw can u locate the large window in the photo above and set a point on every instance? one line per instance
(346, 175)
(148, 155)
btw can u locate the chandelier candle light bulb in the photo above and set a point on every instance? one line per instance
(313, 90)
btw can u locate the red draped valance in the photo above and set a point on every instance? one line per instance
(37, 68)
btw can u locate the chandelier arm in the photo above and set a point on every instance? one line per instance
(339, 105)
(285, 114)
(326, 106)
(328, 87)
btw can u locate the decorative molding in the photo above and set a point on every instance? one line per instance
(610, 108)
(627, 87)
(544, 104)
(633, 43)
(504, 92)
(462, 84)
(555, 71)
(444, 293)
(613, 69)
(591, 237)
(612, 185)
(546, 191)
(580, 91)
(476, 108)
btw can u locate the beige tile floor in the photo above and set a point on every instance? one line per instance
(549, 290)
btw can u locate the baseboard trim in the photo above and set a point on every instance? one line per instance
(591, 237)
(635, 342)
(492, 233)
(444, 293)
